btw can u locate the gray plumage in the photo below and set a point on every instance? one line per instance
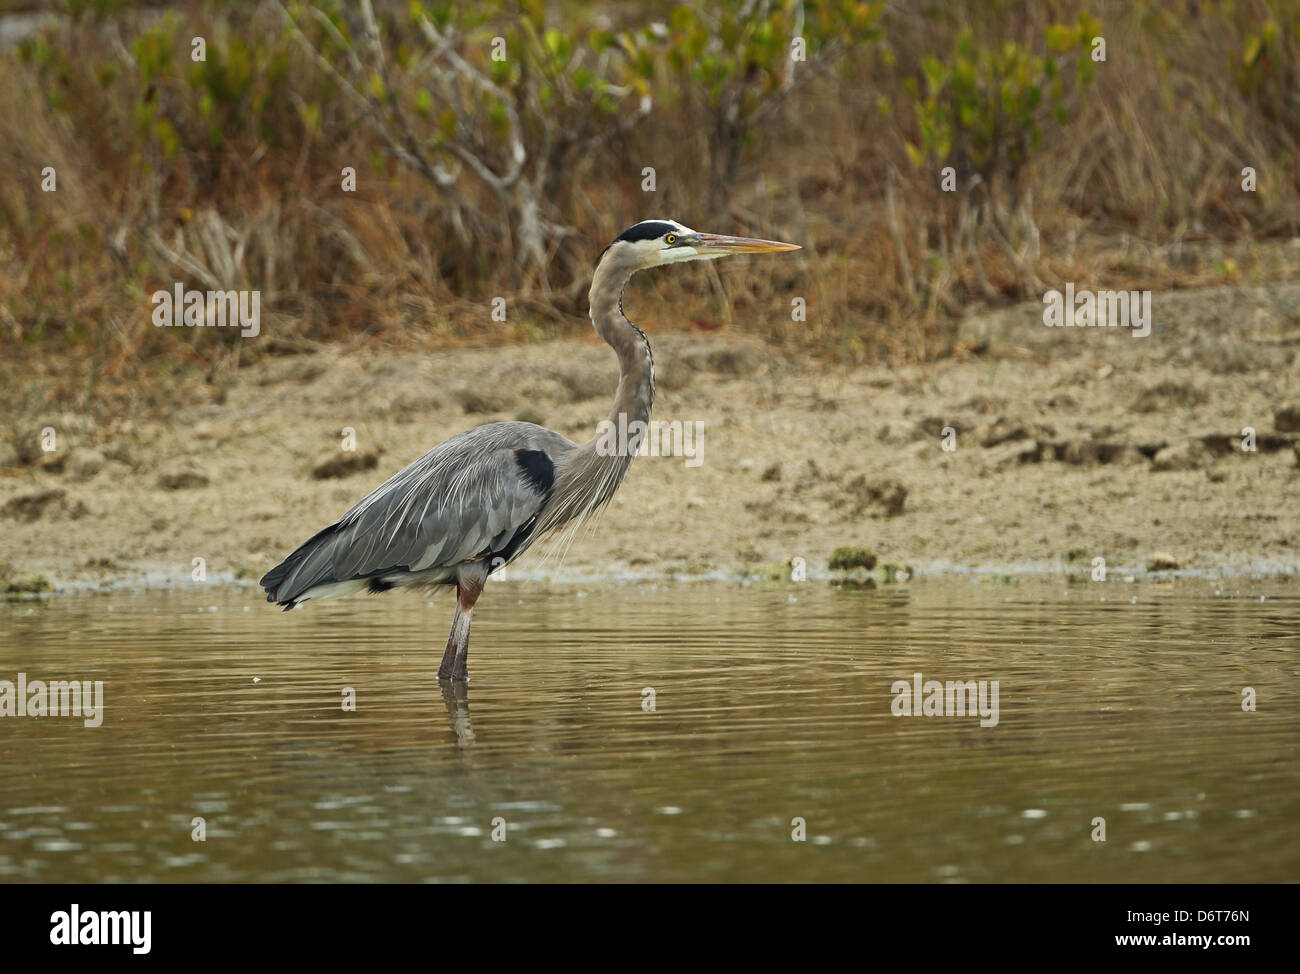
(466, 498)
(477, 501)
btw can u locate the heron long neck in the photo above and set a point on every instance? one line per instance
(589, 478)
(636, 379)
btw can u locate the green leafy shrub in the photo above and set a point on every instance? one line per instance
(735, 62)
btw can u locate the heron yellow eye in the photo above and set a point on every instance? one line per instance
(670, 239)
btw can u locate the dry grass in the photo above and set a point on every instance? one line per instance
(1139, 187)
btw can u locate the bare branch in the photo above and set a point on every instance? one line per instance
(467, 71)
(409, 153)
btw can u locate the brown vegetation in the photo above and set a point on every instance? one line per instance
(226, 173)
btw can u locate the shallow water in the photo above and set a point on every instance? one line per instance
(771, 704)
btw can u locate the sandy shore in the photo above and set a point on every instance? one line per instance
(1068, 445)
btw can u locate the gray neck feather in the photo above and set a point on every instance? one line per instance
(636, 380)
(590, 477)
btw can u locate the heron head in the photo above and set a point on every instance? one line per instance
(652, 243)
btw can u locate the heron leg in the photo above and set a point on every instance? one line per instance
(454, 664)
(449, 654)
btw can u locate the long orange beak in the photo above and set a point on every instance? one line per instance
(712, 243)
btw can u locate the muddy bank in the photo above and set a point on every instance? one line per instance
(1038, 450)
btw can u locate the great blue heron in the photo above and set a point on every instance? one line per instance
(474, 503)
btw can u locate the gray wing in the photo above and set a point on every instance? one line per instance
(463, 499)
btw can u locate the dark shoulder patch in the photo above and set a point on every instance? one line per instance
(650, 230)
(538, 470)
